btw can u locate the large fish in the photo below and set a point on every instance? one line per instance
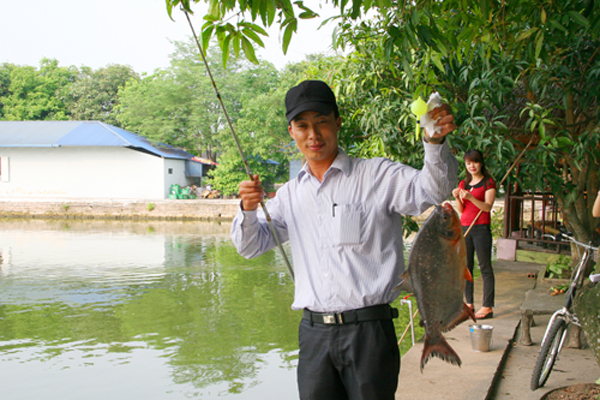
(437, 273)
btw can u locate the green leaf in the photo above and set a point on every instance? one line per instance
(213, 9)
(252, 35)
(580, 19)
(249, 50)
(307, 15)
(170, 5)
(538, 44)
(271, 11)
(237, 43)
(526, 34)
(437, 60)
(225, 49)
(287, 35)
(557, 25)
(415, 16)
(258, 29)
(206, 35)
(425, 35)
(356, 8)
(543, 15)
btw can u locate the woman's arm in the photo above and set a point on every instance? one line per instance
(596, 209)
(485, 206)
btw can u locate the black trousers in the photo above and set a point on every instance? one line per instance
(356, 361)
(479, 240)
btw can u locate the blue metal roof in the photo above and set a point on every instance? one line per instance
(80, 133)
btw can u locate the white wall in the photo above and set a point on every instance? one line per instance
(88, 172)
(175, 176)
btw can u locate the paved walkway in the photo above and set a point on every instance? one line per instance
(504, 371)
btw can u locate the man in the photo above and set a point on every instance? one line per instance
(342, 219)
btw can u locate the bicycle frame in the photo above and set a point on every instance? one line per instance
(570, 296)
(556, 331)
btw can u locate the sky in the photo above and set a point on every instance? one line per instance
(138, 33)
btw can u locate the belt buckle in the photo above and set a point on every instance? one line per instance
(333, 319)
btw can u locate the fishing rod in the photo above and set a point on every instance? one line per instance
(237, 142)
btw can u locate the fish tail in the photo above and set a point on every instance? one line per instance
(438, 347)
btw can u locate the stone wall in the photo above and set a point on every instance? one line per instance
(198, 209)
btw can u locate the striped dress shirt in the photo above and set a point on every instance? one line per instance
(345, 233)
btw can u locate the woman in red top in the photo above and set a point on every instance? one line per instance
(477, 193)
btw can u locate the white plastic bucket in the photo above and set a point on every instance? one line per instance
(481, 337)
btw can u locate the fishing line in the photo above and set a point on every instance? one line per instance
(237, 142)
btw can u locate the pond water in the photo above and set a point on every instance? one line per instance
(155, 310)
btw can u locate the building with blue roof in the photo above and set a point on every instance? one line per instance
(89, 159)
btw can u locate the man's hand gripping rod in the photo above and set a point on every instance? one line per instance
(237, 142)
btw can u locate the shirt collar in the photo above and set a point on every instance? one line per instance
(342, 163)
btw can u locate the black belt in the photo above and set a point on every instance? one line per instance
(373, 313)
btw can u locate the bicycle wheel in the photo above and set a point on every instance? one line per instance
(548, 354)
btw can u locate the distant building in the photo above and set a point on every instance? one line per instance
(89, 159)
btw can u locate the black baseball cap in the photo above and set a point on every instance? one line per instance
(309, 96)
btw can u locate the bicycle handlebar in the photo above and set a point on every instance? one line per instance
(569, 235)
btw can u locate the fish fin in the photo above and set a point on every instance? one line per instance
(467, 275)
(465, 314)
(438, 347)
(404, 283)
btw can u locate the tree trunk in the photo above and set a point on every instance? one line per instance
(587, 307)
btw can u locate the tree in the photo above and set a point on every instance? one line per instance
(178, 105)
(93, 96)
(36, 94)
(5, 71)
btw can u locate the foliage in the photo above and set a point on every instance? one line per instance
(93, 95)
(61, 93)
(245, 33)
(27, 93)
(559, 268)
(178, 105)
(497, 223)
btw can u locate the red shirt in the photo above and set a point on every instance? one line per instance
(471, 210)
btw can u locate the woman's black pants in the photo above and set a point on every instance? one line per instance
(479, 240)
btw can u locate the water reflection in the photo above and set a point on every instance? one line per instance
(91, 309)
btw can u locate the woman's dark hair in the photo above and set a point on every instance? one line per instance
(476, 156)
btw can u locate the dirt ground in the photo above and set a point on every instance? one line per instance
(582, 391)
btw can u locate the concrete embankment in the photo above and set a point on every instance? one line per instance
(168, 209)
(198, 209)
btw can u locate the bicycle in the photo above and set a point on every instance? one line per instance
(556, 331)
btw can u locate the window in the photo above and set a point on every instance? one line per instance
(170, 171)
(4, 169)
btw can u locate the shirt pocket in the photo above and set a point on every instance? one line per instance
(348, 224)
